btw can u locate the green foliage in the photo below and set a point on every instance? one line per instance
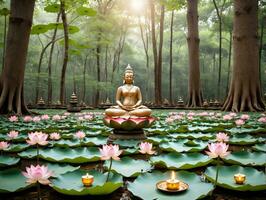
(144, 186)
(181, 161)
(84, 11)
(75, 186)
(255, 180)
(4, 12)
(52, 8)
(129, 167)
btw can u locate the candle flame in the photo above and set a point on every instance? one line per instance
(173, 176)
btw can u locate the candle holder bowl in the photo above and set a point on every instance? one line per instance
(162, 186)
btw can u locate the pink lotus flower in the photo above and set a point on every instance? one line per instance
(218, 114)
(244, 117)
(37, 138)
(177, 117)
(218, 149)
(36, 119)
(81, 118)
(227, 117)
(55, 136)
(169, 120)
(66, 114)
(204, 114)
(110, 151)
(146, 148)
(262, 120)
(27, 119)
(12, 134)
(190, 118)
(45, 117)
(13, 118)
(239, 122)
(88, 117)
(39, 174)
(191, 114)
(3, 145)
(56, 117)
(80, 135)
(232, 114)
(222, 137)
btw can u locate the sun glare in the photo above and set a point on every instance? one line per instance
(137, 5)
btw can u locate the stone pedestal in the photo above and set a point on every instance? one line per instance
(41, 103)
(73, 104)
(126, 135)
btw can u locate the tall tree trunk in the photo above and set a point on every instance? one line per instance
(84, 79)
(229, 63)
(245, 91)
(12, 77)
(145, 41)
(155, 55)
(159, 65)
(37, 90)
(194, 88)
(50, 88)
(263, 19)
(4, 43)
(220, 49)
(171, 59)
(64, 67)
(98, 61)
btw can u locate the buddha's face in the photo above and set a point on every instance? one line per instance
(128, 77)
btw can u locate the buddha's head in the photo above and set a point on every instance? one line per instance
(129, 75)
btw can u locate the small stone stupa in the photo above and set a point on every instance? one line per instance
(73, 104)
(40, 103)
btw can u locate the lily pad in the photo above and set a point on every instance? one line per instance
(260, 147)
(184, 146)
(181, 161)
(127, 143)
(244, 139)
(89, 141)
(202, 136)
(129, 167)
(77, 155)
(144, 186)
(17, 147)
(74, 184)
(12, 180)
(247, 158)
(255, 180)
(59, 169)
(8, 160)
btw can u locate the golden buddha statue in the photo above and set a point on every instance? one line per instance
(128, 99)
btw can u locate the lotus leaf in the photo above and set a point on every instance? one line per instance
(181, 161)
(74, 184)
(255, 180)
(144, 186)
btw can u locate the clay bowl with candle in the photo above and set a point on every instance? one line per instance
(239, 178)
(87, 180)
(172, 184)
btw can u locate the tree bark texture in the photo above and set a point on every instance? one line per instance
(194, 88)
(12, 77)
(64, 67)
(245, 91)
(171, 59)
(160, 52)
(4, 42)
(220, 48)
(50, 87)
